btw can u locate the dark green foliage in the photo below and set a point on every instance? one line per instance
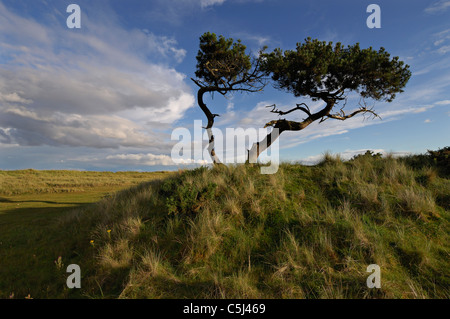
(316, 68)
(368, 153)
(186, 198)
(439, 159)
(221, 61)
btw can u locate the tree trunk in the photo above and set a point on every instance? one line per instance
(211, 144)
(260, 147)
(210, 118)
(279, 126)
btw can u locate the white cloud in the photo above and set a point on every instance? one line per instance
(100, 131)
(442, 38)
(260, 40)
(443, 102)
(13, 98)
(438, 7)
(95, 88)
(208, 3)
(427, 121)
(444, 49)
(433, 56)
(147, 159)
(230, 106)
(404, 111)
(140, 159)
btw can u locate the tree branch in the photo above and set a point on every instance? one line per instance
(299, 107)
(342, 116)
(363, 108)
(284, 125)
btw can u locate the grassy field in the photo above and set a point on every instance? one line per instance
(31, 203)
(230, 232)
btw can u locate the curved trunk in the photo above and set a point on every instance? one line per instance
(283, 125)
(260, 147)
(210, 118)
(211, 150)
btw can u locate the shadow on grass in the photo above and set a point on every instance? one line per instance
(168, 288)
(6, 200)
(30, 242)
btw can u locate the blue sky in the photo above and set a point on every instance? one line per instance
(108, 96)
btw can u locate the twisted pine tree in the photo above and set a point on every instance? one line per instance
(327, 72)
(224, 67)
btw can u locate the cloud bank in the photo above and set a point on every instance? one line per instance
(99, 86)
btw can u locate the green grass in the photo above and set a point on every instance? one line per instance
(31, 203)
(230, 232)
(38, 182)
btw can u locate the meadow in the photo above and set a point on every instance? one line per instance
(230, 232)
(31, 202)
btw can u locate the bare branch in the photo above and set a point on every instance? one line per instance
(363, 108)
(299, 107)
(198, 82)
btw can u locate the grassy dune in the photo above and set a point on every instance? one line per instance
(230, 232)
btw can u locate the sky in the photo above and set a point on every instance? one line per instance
(108, 96)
